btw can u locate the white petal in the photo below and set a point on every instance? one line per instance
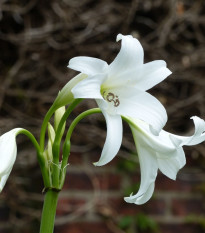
(161, 143)
(89, 87)
(148, 168)
(138, 104)
(199, 134)
(8, 150)
(113, 140)
(170, 166)
(88, 65)
(141, 199)
(196, 138)
(3, 180)
(152, 73)
(130, 56)
(142, 77)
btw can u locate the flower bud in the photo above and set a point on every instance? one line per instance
(8, 151)
(58, 115)
(51, 138)
(65, 96)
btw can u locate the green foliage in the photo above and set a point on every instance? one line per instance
(131, 165)
(196, 219)
(139, 223)
(145, 223)
(125, 222)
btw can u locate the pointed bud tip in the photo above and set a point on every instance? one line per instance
(98, 164)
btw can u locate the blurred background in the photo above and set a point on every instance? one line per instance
(37, 39)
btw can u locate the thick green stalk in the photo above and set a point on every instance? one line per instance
(49, 211)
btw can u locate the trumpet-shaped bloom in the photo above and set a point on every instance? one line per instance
(120, 90)
(163, 152)
(8, 151)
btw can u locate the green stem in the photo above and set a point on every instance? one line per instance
(49, 211)
(66, 146)
(56, 143)
(44, 126)
(31, 137)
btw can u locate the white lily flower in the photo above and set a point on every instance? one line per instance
(8, 151)
(163, 152)
(120, 90)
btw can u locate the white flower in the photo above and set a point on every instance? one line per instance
(163, 152)
(120, 90)
(8, 151)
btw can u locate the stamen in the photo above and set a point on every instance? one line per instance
(110, 97)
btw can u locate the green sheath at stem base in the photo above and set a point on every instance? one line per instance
(49, 211)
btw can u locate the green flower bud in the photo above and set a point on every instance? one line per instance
(58, 115)
(65, 96)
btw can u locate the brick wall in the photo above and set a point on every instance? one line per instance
(92, 199)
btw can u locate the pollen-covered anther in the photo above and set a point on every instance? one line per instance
(110, 97)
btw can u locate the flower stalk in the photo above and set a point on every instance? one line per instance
(49, 211)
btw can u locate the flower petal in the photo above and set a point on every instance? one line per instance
(148, 168)
(170, 166)
(197, 137)
(88, 65)
(151, 74)
(8, 150)
(139, 104)
(89, 87)
(142, 77)
(161, 143)
(113, 140)
(130, 56)
(3, 179)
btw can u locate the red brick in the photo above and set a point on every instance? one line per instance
(84, 228)
(109, 181)
(75, 158)
(156, 207)
(81, 181)
(78, 181)
(68, 205)
(163, 183)
(166, 184)
(188, 207)
(180, 228)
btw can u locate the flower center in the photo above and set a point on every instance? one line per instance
(112, 98)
